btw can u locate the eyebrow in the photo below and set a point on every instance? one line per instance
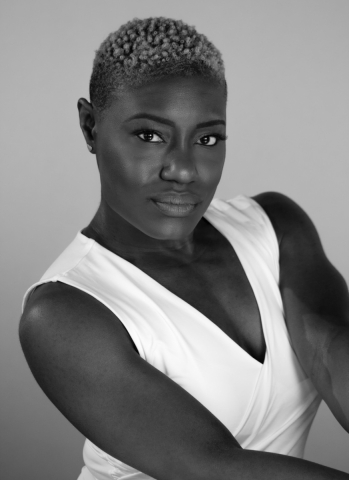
(172, 124)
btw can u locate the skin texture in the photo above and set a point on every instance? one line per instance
(130, 224)
(82, 356)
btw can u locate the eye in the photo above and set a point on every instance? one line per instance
(210, 140)
(149, 136)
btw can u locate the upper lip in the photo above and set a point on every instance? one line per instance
(177, 198)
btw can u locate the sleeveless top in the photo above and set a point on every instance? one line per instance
(276, 401)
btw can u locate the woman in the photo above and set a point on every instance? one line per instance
(186, 337)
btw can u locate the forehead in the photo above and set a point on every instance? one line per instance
(178, 98)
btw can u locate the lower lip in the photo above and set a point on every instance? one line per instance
(175, 210)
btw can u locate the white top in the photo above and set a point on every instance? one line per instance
(276, 401)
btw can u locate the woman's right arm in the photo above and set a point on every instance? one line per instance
(83, 358)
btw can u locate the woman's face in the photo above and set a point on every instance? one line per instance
(165, 137)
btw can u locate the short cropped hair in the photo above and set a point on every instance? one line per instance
(144, 50)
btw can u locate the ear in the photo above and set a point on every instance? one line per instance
(87, 118)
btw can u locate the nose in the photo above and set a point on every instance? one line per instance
(179, 166)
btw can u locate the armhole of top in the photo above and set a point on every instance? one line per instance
(32, 289)
(132, 332)
(61, 277)
(52, 274)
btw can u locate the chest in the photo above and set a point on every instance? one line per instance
(217, 286)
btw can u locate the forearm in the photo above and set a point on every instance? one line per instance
(328, 366)
(253, 465)
(333, 378)
(256, 465)
(321, 343)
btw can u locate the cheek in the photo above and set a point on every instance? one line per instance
(124, 176)
(210, 163)
(128, 158)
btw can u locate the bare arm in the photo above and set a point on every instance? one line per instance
(83, 359)
(316, 301)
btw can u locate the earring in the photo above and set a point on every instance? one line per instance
(89, 148)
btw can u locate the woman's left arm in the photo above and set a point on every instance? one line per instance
(316, 302)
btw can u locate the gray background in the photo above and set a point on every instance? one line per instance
(288, 76)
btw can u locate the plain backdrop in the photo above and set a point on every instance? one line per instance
(287, 67)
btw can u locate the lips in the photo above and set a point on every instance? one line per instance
(177, 199)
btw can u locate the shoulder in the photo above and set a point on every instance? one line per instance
(67, 317)
(300, 247)
(56, 302)
(303, 261)
(288, 218)
(307, 276)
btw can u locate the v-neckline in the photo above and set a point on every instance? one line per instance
(250, 281)
(195, 310)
